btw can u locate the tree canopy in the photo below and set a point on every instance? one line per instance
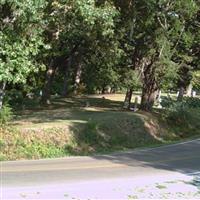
(92, 46)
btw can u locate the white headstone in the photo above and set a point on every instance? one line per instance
(159, 103)
(194, 93)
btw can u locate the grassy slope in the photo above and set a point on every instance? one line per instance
(68, 127)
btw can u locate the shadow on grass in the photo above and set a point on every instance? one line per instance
(65, 115)
(93, 102)
(68, 108)
(70, 102)
(111, 130)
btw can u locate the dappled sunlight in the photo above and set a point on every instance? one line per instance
(66, 111)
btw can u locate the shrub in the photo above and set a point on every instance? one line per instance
(90, 134)
(177, 112)
(14, 97)
(183, 117)
(6, 114)
(37, 149)
(192, 102)
(166, 102)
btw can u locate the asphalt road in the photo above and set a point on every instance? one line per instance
(162, 162)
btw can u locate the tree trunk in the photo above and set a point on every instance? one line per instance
(2, 91)
(78, 73)
(159, 93)
(103, 91)
(68, 65)
(149, 93)
(113, 90)
(128, 97)
(181, 93)
(64, 91)
(184, 81)
(189, 90)
(46, 93)
(77, 78)
(150, 87)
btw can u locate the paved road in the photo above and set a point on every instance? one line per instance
(74, 172)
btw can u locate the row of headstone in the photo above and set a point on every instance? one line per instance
(138, 100)
(193, 93)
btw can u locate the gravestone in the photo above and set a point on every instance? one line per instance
(135, 108)
(194, 93)
(40, 92)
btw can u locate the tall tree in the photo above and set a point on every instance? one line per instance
(157, 27)
(20, 36)
(76, 22)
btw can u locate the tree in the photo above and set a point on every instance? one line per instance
(75, 24)
(20, 36)
(157, 28)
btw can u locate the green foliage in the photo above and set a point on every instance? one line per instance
(187, 102)
(6, 114)
(131, 79)
(115, 43)
(184, 116)
(38, 149)
(90, 134)
(20, 36)
(196, 80)
(192, 102)
(14, 97)
(178, 113)
(185, 122)
(166, 102)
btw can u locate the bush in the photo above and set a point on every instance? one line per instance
(90, 134)
(177, 113)
(166, 102)
(183, 117)
(6, 114)
(14, 97)
(37, 149)
(192, 102)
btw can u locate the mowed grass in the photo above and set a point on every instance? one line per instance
(79, 126)
(64, 111)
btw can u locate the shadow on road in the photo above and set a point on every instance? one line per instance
(184, 158)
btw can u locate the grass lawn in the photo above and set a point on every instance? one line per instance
(80, 126)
